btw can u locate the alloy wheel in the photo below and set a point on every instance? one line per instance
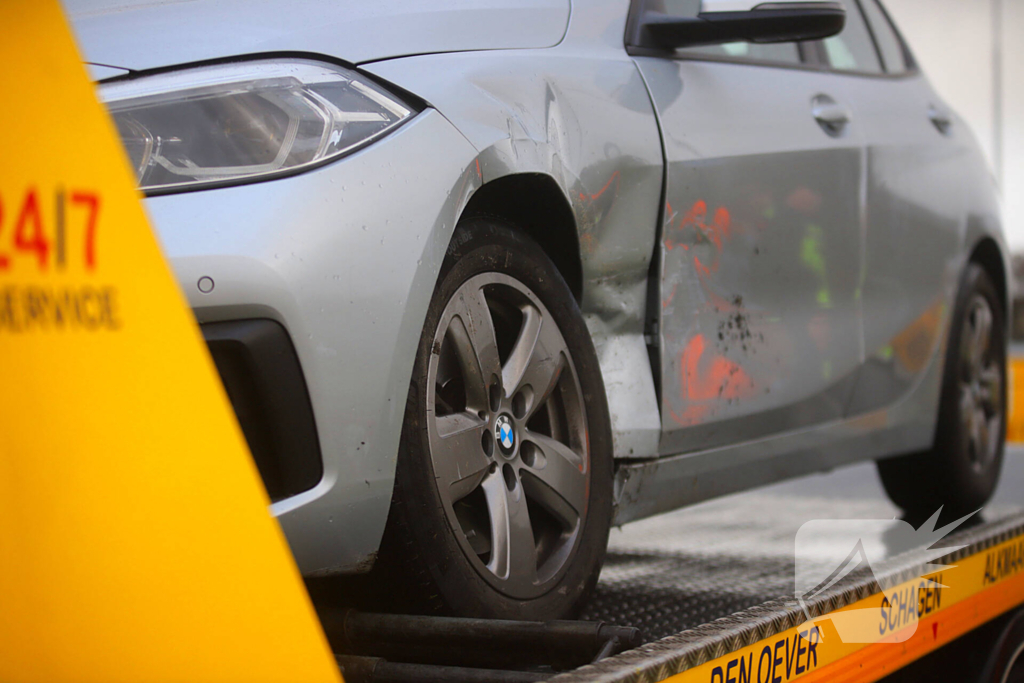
(507, 432)
(980, 384)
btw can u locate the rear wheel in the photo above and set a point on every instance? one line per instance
(961, 471)
(503, 491)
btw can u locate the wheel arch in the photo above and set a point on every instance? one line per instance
(546, 217)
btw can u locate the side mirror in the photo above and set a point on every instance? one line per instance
(728, 21)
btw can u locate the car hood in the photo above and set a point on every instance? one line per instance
(147, 34)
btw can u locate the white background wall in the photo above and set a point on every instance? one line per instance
(956, 43)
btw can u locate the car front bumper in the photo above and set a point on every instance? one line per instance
(345, 258)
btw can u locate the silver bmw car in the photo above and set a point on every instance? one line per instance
(485, 277)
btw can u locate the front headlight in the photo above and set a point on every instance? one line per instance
(222, 124)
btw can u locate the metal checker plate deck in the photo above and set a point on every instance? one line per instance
(659, 594)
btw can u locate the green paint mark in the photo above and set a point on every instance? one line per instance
(810, 250)
(812, 257)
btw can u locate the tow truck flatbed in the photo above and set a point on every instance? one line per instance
(711, 591)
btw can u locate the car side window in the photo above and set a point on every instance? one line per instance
(889, 44)
(853, 49)
(787, 53)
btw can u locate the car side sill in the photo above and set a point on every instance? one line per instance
(647, 488)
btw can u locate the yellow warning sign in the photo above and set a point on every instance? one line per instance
(135, 540)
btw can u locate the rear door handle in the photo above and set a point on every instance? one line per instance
(831, 116)
(942, 121)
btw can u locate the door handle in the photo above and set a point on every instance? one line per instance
(942, 121)
(831, 116)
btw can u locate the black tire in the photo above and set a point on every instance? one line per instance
(424, 562)
(953, 474)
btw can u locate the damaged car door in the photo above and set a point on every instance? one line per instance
(760, 258)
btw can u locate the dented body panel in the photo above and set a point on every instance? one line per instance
(760, 254)
(579, 113)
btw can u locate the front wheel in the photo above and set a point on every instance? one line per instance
(502, 497)
(961, 471)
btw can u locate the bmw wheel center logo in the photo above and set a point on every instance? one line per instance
(504, 435)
